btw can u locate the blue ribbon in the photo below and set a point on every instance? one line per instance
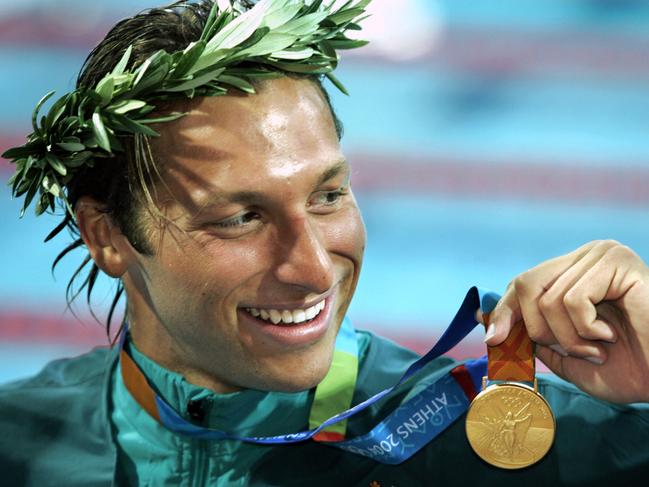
(409, 427)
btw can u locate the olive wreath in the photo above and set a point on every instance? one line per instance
(83, 127)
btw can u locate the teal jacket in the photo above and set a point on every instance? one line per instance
(75, 425)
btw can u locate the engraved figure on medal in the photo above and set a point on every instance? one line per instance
(509, 432)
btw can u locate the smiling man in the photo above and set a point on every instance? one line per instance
(234, 233)
(266, 234)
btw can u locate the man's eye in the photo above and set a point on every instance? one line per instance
(329, 198)
(238, 221)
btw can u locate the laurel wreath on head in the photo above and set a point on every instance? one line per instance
(83, 127)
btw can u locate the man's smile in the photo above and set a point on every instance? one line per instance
(287, 316)
(291, 326)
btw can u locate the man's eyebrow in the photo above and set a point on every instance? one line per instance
(333, 171)
(223, 198)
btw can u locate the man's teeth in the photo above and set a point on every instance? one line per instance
(287, 316)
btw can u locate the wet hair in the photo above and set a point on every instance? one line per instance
(121, 184)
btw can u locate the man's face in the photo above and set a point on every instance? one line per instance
(265, 226)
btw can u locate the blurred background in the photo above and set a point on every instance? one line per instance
(485, 137)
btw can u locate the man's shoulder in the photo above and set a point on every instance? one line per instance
(61, 387)
(63, 373)
(55, 421)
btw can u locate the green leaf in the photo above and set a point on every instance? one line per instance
(51, 185)
(100, 131)
(12, 179)
(35, 184)
(313, 7)
(294, 55)
(78, 159)
(56, 164)
(237, 82)
(156, 70)
(20, 188)
(105, 90)
(215, 21)
(132, 126)
(91, 142)
(297, 67)
(123, 83)
(38, 108)
(42, 204)
(239, 29)
(58, 108)
(303, 26)
(347, 43)
(211, 18)
(200, 78)
(166, 118)
(141, 71)
(274, 41)
(257, 36)
(327, 49)
(280, 14)
(336, 82)
(17, 152)
(209, 60)
(191, 54)
(343, 16)
(362, 4)
(71, 146)
(121, 65)
(254, 73)
(70, 124)
(152, 80)
(126, 106)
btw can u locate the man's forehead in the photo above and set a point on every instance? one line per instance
(284, 111)
(250, 191)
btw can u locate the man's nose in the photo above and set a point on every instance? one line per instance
(304, 260)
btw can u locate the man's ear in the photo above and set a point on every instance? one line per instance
(108, 246)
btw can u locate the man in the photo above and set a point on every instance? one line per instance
(238, 242)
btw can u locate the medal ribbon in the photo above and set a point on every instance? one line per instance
(402, 433)
(513, 359)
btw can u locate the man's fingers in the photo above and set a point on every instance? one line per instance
(538, 298)
(528, 287)
(555, 301)
(604, 281)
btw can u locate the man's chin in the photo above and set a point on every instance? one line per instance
(303, 378)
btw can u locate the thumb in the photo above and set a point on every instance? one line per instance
(501, 320)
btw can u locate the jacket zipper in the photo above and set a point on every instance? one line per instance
(199, 469)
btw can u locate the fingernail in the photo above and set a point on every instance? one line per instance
(605, 331)
(595, 360)
(559, 349)
(491, 331)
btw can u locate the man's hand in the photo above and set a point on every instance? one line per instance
(588, 311)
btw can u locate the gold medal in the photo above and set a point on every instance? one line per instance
(509, 424)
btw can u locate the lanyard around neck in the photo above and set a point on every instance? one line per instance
(332, 395)
(444, 401)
